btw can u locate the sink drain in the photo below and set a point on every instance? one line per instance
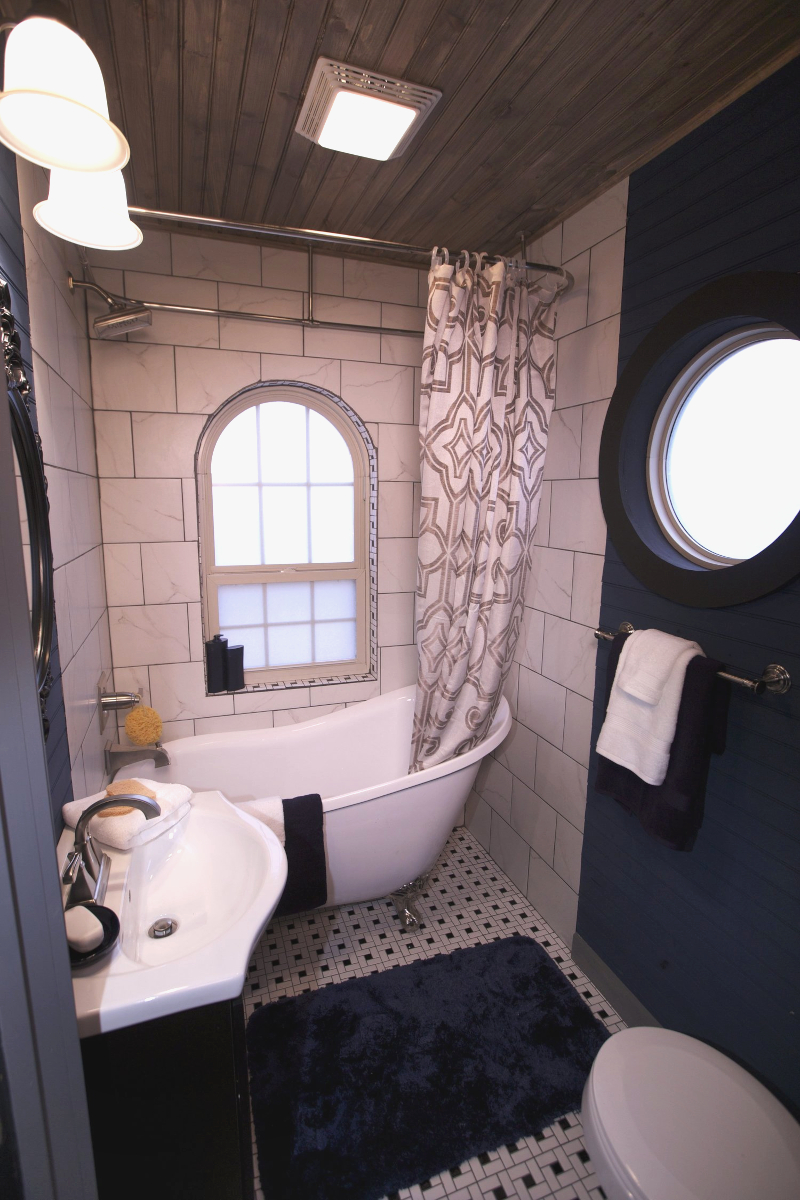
(163, 927)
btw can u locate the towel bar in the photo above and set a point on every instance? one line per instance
(776, 679)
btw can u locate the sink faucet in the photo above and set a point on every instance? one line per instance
(84, 870)
(121, 756)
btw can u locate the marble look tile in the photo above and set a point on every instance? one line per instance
(563, 456)
(547, 247)
(328, 274)
(61, 599)
(561, 783)
(128, 376)
(84, 512)
(282, 267)
(397, 348)
(141, 510)
(132, 679)
(342, 343)
(164, 444)
(422, 290)
(398, 667)
(281, 698)
(84, 437)
(529, 646)
(576, 516)
(171, 572)
(180, 329)
(586, 586)
(206, 378)
(178, 692)
(578, 728)
(150, 633)
(567, 857)
(322, 372)
(398, 453)
(154, 255)
(572, 308)
(78, 596)
(511, 688)
(114, 444)
(42, 306)
(518, 752)
(266, 301)
(296, 716)
(233, 723)
(553, 898)
(347, 311)
(189, 488)
(541, 534)
(550, 581)
(173, 730)
(96, 584)
(493, 782)
(123, 568)
(541, 706)
(587, 364)
(478, 819)
(380, 281)
(61, 525)
(533, 820)
(594, 416)
(171, 289)
(401, 316)
(397, 564)
(509, 851)
(196, 646)
(396, 619)
(379, 391)
(395, 501)
(596, 220)
(70, 337)
(605, 280)
(55, 404)
(215, 258)
(569, 655)
(336, 693)
(236, 334)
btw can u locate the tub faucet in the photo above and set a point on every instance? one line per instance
(121, 756)
(84, 870)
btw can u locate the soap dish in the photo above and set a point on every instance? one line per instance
(110, 922)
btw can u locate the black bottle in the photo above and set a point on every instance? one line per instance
(216, 664)
(235, 669)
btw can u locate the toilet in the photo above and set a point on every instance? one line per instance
(666, 1117)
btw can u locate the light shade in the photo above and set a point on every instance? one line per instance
(89, 209)
(53, 110)
(365, 125)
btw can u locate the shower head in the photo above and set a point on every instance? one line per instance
(123, 318)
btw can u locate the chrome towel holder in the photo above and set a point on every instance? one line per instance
(775, 679)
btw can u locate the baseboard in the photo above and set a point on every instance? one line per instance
(631, 1009)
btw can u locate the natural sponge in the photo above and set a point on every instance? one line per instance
(124, 787)
(143, 725)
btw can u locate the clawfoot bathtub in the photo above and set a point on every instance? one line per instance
(383, 827)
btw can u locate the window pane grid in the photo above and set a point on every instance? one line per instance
(290, 624)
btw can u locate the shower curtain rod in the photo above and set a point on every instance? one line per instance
(318, 237)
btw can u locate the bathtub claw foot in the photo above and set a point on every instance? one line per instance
(405, 901)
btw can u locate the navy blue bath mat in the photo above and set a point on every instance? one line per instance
(369, 1086)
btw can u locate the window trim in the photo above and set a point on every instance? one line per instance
(363, 568)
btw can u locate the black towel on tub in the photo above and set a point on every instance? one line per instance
(672, 812)
(307, 881)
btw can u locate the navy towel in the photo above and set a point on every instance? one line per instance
(307, 881)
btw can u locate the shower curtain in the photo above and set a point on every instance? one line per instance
(488, 387)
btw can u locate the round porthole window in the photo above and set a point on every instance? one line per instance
(698, 475)
(733, 409)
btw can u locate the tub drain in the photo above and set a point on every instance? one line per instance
(163, 927)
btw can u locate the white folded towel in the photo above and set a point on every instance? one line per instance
(133, 829)
(270, 812)
(643, 707)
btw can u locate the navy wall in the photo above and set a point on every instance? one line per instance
(708, 940)
(12, 269)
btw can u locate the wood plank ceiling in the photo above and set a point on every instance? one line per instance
(545, 102)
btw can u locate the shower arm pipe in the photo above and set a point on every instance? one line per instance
(318, 237)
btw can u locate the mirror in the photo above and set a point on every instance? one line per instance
(34, 508)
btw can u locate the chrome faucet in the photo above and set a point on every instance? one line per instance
(84, 870)
(122, 756)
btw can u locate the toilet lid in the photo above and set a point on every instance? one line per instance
(683, 1122)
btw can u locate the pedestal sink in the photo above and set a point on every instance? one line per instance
(208, 885)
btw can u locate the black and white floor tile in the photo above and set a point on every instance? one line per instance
(469, 901)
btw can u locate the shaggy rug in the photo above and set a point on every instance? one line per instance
(365, 1087)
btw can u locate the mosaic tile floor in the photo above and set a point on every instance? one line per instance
(469, 901)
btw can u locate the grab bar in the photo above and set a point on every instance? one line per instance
(776, 679)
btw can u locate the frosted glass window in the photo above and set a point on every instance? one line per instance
(742, 414)
(282, 481)
(290, 624)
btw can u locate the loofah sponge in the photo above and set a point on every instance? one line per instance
(124, 787)
(143, 725)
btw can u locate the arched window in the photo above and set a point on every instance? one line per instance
(286, 494)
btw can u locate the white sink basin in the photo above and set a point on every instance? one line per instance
(219, 874)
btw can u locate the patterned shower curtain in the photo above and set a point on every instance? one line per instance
(488, 387)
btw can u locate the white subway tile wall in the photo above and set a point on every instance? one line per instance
(64, 410)
(528, 805)
(152, 396)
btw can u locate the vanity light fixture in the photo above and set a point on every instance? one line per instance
(363, 112)
(89, 209)
(53, 107)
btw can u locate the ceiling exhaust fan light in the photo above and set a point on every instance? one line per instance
(89, 209)
(53, 109)
(365, 125)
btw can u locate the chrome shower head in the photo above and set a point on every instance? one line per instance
(123, 318)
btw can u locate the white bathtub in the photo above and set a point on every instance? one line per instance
(383, 827)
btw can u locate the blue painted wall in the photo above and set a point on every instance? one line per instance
(12, 269)
(708, 940)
